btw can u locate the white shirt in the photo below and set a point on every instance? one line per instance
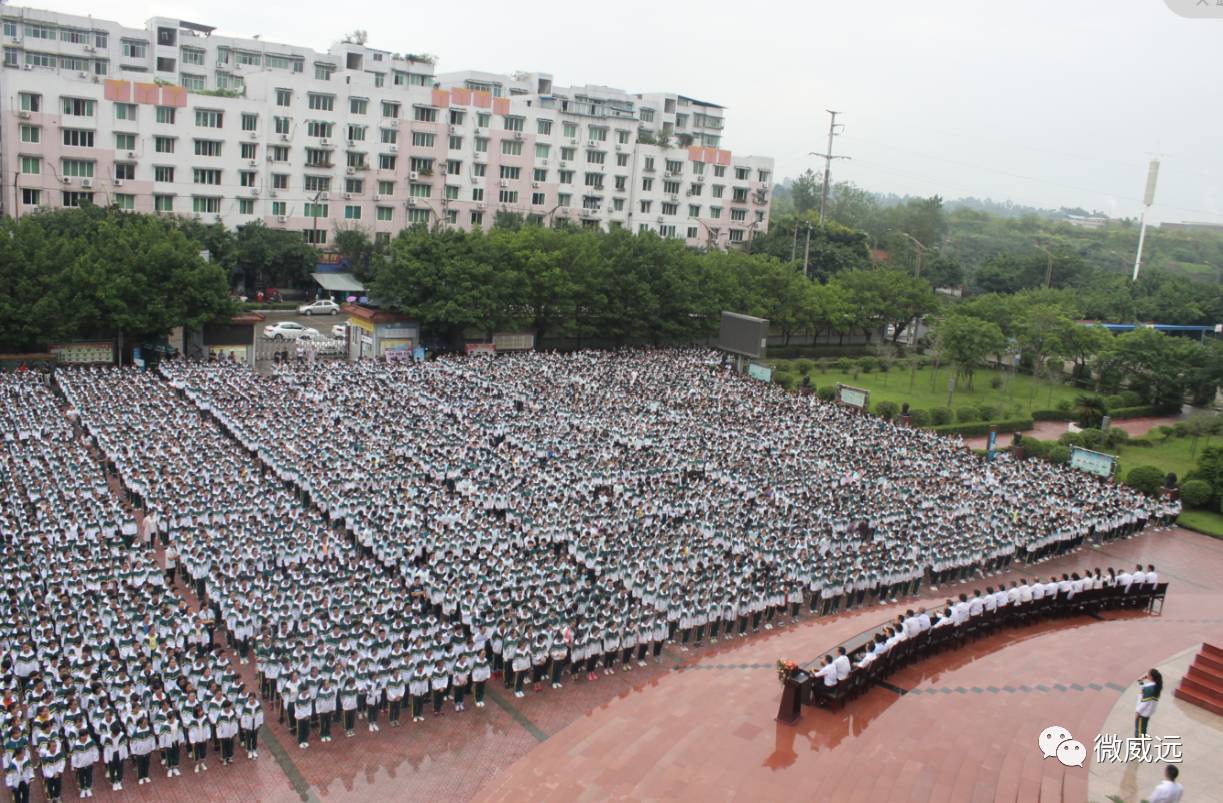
(1167, 792)
(1152, 578)
(843, 667)
(829, 673)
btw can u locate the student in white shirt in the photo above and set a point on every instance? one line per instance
(828, 672)
(842, 664)
(1168, 791)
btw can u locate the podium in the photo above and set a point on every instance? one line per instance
(794, 692)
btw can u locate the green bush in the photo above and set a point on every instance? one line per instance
(787, 381)
(1145, 411)
(968, 413)
(886, 410)
(988, 413)
(1058, 454)
(1036, 448)
(1051, 415)
(1064, 405)
(1114, 437)
(919, 418)
(1130, 398)
(844, 365)
(868, 364)
(995, 382)
(1114, 401)
(973, 429)
(1196, 493)
(804, 365)
(1147, 479)
(828, 392)
(940, 416)
(1069, 439)
(1091, 438)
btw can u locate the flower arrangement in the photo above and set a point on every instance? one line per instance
(785, 669)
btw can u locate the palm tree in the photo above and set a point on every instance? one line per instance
(1090, 411)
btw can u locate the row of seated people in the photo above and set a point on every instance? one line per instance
(916, 634)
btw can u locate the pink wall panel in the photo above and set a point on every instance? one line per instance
(148, 93)
(482, 99)
(441, 98)
(461, 97)
(117, 90)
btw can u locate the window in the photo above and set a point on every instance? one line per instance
(207, 147)
(76, 167)
(420, 190)
(39, 32)
(101, 67)
(10, 28)
(694, 210)
(539, 174)
(246, 206)
(715, 212)
(647, 115)
(205, 204)
(192, 83)
(622, 136)
(284, 97)
(647, 185)
(742, 173)
(390, 109)
(12, 58)
(133, 49)
(280, 63)
(541, 150)
(250, 122)
(206, 176)
(454, 166)
(670, 209)
(543, 127)
(594, 180)
(698, 168)
(389, 135)
(317, 183)
(246, 178)
(314, 209)
(418, 217)
(483, 119)
(511, 147)
(739, 195)
(31, 134)
(511, 173)
(322, 103)
(618, 204)
(423, 114)
(477, 218)
(422, 140)
(165, 64)
(386, 161)
(719, 171)
(282, 125)
(762, 176)
(164, 174)
(736, 235)
(508, 196)
(355, 186)
(208, 118)
(537, 199)
(717, 190)
(31, 165)
(457, 116)
(123, 142)
(165, 115)
(597, 133)
(125, 111)
(674, 166)
(315, 236)
(357, 105)
(316, 157)
(163, 203)
(31, 197)
(570, 130)
(39, 60)
(75, 199)
(124, 201)
(478, 168)
(481, 144)
(456, 142)
(352, 212)
(322, 72)
(76, 65)
(695, 189)
(278, 153)
(645, 207)
(386, 188)
(163, 144)
(318, 128)
(738, 215)
(78, 107)
(477, 193)
(670, 187)
(356, 159)
(452, 192)
(566, 176)
(193, 56)
(248, 150)
(621, 160)
(515, 123)
(595, 157)
(384, 213)
(280, 181)
(30, 102)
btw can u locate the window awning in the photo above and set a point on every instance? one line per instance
(338, 282)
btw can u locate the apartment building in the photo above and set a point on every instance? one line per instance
(175, 118)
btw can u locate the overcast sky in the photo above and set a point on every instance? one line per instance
(1042, 102)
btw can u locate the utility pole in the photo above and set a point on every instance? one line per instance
(806, 250)
(921, 249)
(793, 246)
(1147, 199)
(828, 157)
(1048, 267)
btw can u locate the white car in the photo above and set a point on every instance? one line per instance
(324, 306)
(339, 331)
(289, 330)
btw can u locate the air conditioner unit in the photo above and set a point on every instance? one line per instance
(377, 197)
(90, 49)
(661, 219)
(282, 218)
(29, 67)
(254, 190)
(564, 165)
(252, 134)
(348, 196)
(350, 170)
(573, 142)
(674, 199)
(480, 205)
(270, 159)
(87, 183)
(619, 147)
(284, 137)
(352, 143)
(410, 202)
(393, 148)
(66, 179)
(504, 183)
(535, 184)
(700, 177)
(273, 194)
(131, 154)
(322, 196)
(118, 182)
(517, 135)
(82, 74)
(325, 141)
(475, 131)
(442, 173)
(253, 163)
(23, 114)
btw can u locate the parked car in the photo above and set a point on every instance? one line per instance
(324, 306)
(340, 331)
(288, 330)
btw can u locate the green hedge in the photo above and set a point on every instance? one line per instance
(1051, 415)
(1144, 411)
(1147, 479)
(1196, 493)
(983, 427)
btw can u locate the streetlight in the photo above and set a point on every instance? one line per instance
(921, 249)
(1048, 266)
(314, 208)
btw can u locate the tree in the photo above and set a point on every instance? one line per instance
(1147, 479)
(967, 341)
(272, 257)
(888, 297)
(1089, 410)
(354, 244)
(805, 192)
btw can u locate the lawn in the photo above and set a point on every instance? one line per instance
(1174, 454)
(1203, 521)
(926, 389)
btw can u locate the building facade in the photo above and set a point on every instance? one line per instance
(173, 118)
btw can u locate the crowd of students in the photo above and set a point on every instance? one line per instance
(382, 538)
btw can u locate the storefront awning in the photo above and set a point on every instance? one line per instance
(338, 282)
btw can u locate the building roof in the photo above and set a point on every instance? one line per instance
(338, 282)
(373, 315)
